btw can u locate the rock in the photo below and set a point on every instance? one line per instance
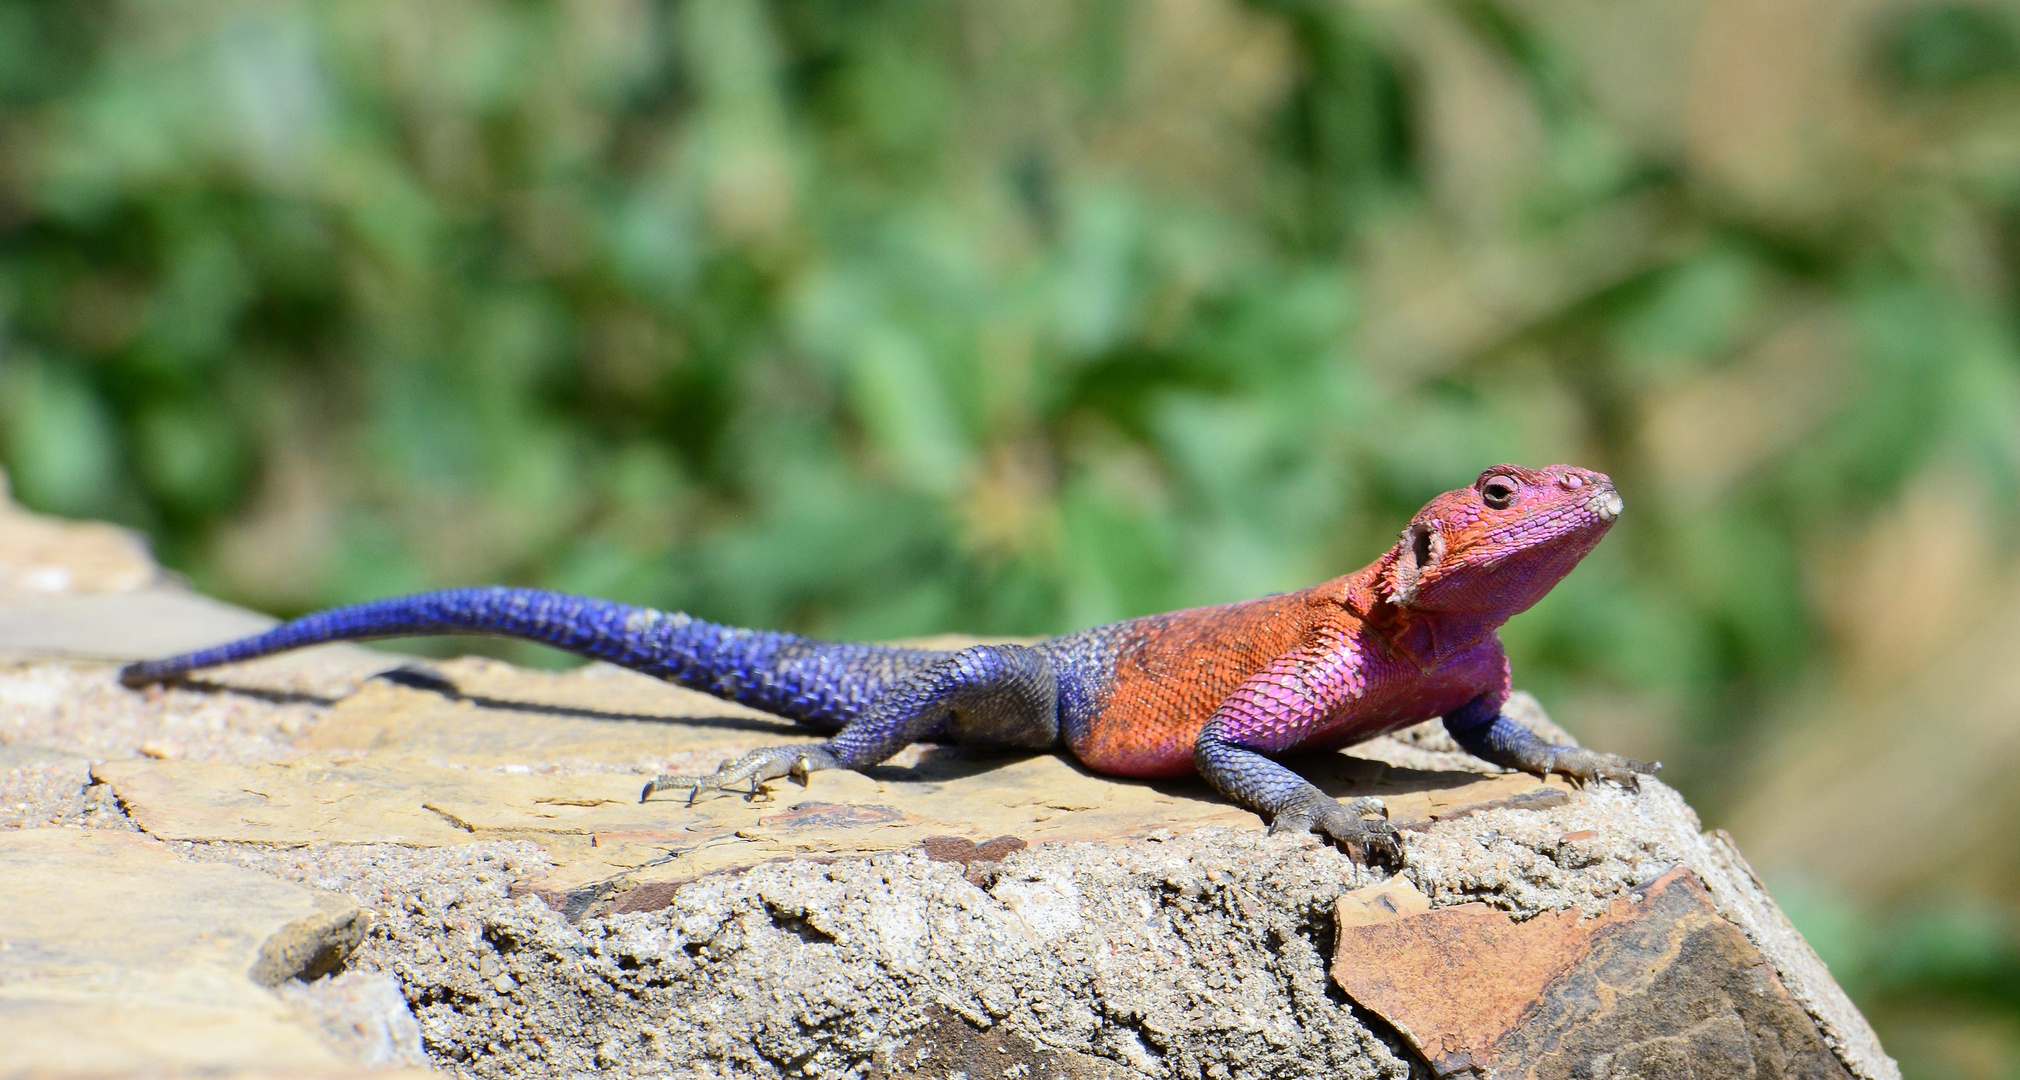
(395, 764)
(89, 590)
(44, 556)
(310, 947)
(363, 1016)
(121, 956)
(1656, 986)
(330, 871)
(949, 1046)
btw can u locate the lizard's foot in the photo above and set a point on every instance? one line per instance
(1582, 767)
(753, 768)
(1350, 825)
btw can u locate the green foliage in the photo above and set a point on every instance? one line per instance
(887, 318)
(870, 319)
(1946, 46)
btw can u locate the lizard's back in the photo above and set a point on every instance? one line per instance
(1134, 694)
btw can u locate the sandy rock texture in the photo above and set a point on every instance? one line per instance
(447, 867)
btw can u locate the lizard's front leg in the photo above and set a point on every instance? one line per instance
(1292, 803)
(1482, 731)
(1000, 695)
(1270, 712)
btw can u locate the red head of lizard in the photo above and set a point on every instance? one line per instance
(1484, 553)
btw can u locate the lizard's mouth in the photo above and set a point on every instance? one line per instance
(1605, 503)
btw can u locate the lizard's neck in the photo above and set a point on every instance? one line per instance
(1427, 638)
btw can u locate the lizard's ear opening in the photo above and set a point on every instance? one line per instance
(1417, 550)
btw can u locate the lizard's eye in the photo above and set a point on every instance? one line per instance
(1498, 492)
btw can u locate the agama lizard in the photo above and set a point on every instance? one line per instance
(1217, 690)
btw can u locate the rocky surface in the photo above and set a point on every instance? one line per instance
(123, 957)
(1654, 986)
(447, 867)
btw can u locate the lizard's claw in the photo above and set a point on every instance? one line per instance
(1364, 836)
(1582, 767)
(753, 768)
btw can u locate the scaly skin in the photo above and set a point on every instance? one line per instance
(1220, 690)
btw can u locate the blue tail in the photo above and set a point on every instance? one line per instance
(821, 684)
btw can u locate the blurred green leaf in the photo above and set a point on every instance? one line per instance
(190, 457)
(61, 445)
(1946, 46)
(1694, 312)
(907, 410)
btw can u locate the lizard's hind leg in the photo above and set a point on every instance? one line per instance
(988, 695)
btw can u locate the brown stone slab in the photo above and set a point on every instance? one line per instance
(1380, 903)
(479, 749)
(1658, 986)
(596, 830)
(155, 622)
(361, 800)
(92, 591)
(1045, 799)
(122, 957)
(489, 714)
(45, 555)
(119, 626)
(295, 802)
(485, 716)
(948, 1046)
